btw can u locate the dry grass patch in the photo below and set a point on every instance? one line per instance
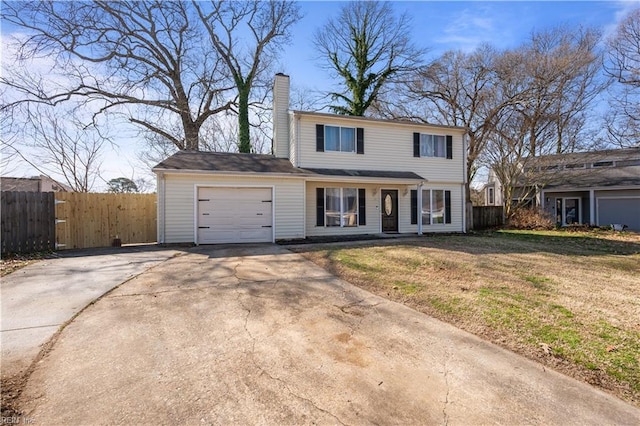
(12, 263)
(568, 300)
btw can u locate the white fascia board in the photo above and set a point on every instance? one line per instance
(306, 177)
(222, 173)
(360, 179)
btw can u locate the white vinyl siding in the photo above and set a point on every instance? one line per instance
(373, 212)
(387, 146)
(179, 202)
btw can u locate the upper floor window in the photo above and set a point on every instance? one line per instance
(339, 139)
(425, 145)
(432, 146)
(490, 196)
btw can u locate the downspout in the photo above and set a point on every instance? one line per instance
(464, 209)
(419, 208)
(160, 207)
(297, 164)
(465, 183)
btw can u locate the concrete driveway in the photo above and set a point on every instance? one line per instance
(258, 335)
(38, 299)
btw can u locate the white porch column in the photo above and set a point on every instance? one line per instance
(592, 207)
(419, 208)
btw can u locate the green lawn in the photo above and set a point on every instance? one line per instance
(570, 300)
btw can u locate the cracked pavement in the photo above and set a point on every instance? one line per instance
(258, 335)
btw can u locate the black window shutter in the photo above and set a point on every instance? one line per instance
(360, 140)
(414, 207)
(416, 144)
(320, 137)
(362, 217)
(449, 147)
(319, 206)
(447, 206)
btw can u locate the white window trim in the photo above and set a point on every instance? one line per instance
(357, 214)
(433, 156)
(444, 212)
(355, 139)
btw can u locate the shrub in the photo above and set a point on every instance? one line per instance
(531, 219)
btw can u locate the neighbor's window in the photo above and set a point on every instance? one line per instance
(433, 146)
(490, 196)
(339, 139)
(433, 206)
(341, 207)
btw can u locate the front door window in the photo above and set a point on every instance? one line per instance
(567, 211)
(571, 211)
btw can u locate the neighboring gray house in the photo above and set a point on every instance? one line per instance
(33, 184)
(329, 175)
(597, 188)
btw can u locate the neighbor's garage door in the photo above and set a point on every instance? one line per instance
(234, 215)
(625, 211)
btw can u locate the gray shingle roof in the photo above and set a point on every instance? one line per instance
(596, 177)
(227, 162)
(260, 163)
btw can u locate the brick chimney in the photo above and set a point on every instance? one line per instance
(281, 116)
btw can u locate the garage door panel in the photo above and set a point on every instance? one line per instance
(230, 215)
(625, 211)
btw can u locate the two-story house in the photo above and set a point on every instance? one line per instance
(328, 175)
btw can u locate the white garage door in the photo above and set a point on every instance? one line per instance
(234, 215)
(625, 211)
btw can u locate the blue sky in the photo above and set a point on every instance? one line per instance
(444, 25)
(437, 26)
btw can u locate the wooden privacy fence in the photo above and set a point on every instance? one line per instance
(95, 220)
(39, 221)
(28, 221)
(487, 217)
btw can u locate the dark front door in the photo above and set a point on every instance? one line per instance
(389, 209)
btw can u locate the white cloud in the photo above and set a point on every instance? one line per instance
(623, 9)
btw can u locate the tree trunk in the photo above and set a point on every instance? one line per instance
(244, 141)
(191, 134)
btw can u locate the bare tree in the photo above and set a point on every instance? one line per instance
(145, 59)
(366, 46)
(230, 25)
(458, 89)
(556, 75)
(56, 143)
(623, 65)
(552, 81)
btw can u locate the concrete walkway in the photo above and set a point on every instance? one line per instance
(38, 299)
(259, 335)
